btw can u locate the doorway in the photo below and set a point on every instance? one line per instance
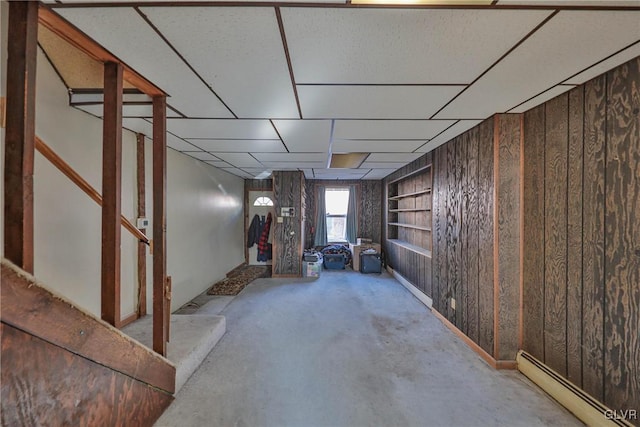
(261, 204)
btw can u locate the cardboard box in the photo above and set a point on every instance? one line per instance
(363, 241)
(355, 252)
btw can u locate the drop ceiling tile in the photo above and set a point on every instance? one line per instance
(373, 102)
(237, 172)
(291, 157)
(346, 174)
(543, 97)
(305, 135)
(227, 129)
(124, 33)
(400, 46)
(606, 65)
(448, 134)
(379, 173)
(375, 146)
(295, 165)
(383, 165)
(570, 42)
(238, 51)
(201, 155)
(178, 144)
(239, 160)
(393, 157)
(217, 163)
(128, 110)
(145, 127)
(389, 129)
(239, 145)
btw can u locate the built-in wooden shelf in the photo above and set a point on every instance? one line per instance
(412, 194)
(410, 174)
(410, 210)
(415, 227)
(413, 248)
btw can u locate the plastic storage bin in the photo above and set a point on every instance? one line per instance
(334, 261)
(370, 263)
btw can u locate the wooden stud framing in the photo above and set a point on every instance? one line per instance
(20, 133)
(111, 193)
(142, 250)
(160, 304)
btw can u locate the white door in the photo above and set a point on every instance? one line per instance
(260, 203)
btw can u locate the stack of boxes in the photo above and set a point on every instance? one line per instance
(361, 245)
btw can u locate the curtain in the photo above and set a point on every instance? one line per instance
(321, 218)
(352, 221)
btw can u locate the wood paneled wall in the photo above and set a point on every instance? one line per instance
(476, 234)
(369, 208)
(288, 236)
(581, 238)
(414, 267)
(61, 366)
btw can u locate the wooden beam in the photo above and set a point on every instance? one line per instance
(78, 180)
(61, 27)
(111, 192)
(160, 306)
(142, 250)
(20, 133)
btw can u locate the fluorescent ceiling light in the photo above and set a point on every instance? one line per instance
(347, 160)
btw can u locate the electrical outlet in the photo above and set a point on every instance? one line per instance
(453, 303)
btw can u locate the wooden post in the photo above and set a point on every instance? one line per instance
(160, 306)
(20, 133)
(142, 250)
(111, 192)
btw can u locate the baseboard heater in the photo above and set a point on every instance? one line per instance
(586, 408)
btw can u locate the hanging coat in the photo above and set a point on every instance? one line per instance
(264, 248)
(255, 229)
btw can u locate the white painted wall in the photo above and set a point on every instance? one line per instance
(204, 208)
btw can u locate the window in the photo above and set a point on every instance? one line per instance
(337, 201)
(263, 201)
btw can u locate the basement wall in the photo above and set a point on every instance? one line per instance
(369, 209)
(204, 209)
(536, 236)
(582, 236)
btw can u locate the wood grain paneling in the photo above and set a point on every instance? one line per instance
(288, 189)
(452, 225)
(472, 242)
(622, 236)
(593, 237)
(508, 192)
(574, 235)
(590, 257)
(441, 232)
(486, 237)
(555, 301)
(43, 384)
(463, 304)
(534, 189)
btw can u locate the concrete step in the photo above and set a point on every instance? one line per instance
(192, 337)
